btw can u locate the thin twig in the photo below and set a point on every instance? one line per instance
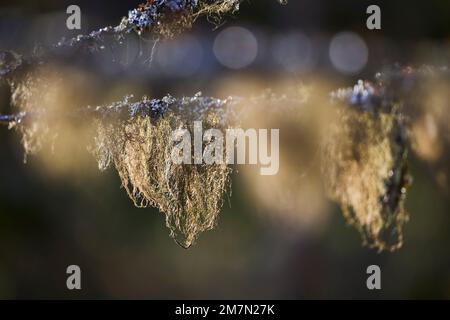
(151, 16)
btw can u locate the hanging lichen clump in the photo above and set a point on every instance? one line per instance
(364, 166)
(141, 148)
(29, 93)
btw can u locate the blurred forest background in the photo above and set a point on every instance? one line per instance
(54, 217)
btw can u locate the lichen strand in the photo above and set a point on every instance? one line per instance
(215, 10)
(364, 169)
(140, 148)
(170, 17)
(28, 94)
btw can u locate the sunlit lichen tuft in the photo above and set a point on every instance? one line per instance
(364, 167)
(140, 149)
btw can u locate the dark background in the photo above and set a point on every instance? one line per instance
(49, 221)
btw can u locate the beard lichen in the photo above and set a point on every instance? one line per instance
(364, 168)
(29, 93)
(140, 148)
(167, 18)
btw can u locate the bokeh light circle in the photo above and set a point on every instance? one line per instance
(294, 52)
(236, 47)
(348, 53)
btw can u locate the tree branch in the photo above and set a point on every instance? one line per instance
(162, 18)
